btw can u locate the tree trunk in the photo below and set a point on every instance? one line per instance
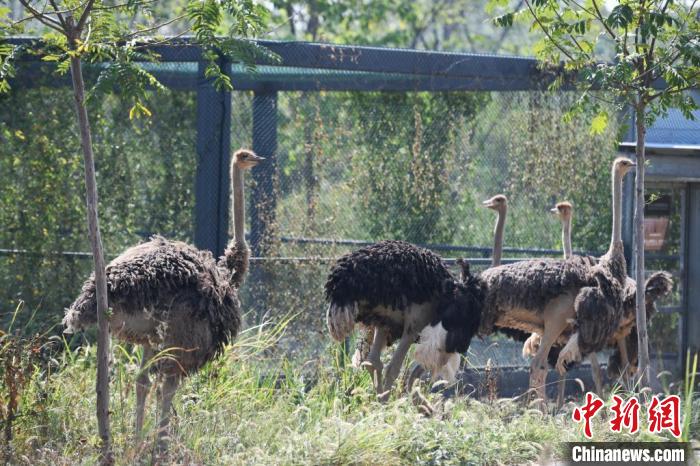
(103, 341)
(642, 335)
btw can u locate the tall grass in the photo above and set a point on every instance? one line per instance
(253, 406)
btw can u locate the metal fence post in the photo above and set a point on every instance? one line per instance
(263, 196)
(213, 158)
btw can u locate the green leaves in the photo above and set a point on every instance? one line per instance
(621, 16)
(599, 123)
(505, 20)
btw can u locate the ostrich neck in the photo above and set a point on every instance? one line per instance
(566, 238)
(616, 239)
(498, 238)
(238, 205)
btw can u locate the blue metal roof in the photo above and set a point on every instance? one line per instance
(675, 130)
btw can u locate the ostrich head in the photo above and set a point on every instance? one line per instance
(622, 165)
(498, 202)
(459, 308)
(246, 159)
(563, 210)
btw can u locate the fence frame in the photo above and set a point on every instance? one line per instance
(399, 70)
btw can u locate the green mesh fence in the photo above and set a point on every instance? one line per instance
(351, 167)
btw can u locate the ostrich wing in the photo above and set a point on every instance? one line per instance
(152, 275)
(529, 285)
(389, 273)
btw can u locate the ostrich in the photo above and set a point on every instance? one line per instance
(499, 203)
(623, 361)
(551, 296)
(564, 211)
(397, 289)
(657, 285)
(169, 296)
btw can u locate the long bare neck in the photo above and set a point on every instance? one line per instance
(238, 202)
(616, 239)
(498, 237)
(566, 237)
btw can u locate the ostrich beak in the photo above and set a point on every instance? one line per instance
(487, 203)
(255, 159)
(554, 210)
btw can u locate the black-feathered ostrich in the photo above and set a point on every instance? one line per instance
(498, 203)
(551, 296)
(397, 289)
(168, 295)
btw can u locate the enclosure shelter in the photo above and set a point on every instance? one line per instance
(363, 144)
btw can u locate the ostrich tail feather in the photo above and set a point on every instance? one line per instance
(341, 320)
(83, 312)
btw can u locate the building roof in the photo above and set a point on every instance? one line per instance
(673, 132)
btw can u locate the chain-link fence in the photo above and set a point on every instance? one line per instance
(345, 168)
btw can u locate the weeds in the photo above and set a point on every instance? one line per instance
(253, 405)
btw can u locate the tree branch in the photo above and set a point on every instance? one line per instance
(549, 36)
(650, 53)
(122, 5)
(678, 90)
(573, 38)
(42, 18)
(602, 20)
(156, 27)
(84, 17)
(57, 13)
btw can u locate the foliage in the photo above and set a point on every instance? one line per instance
(627, 50)
(409, 194)
(423, 24)
(138, 165)
(563, 157)
(254, 403)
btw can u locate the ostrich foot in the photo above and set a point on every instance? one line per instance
(531, 345)
(569, 354)
(537, 386)
(422, 403)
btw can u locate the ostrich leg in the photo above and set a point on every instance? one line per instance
(624, 359)
(556, 315)
(597, 375)
(561, 391)
(170, 384)
(394, 367)
(143, 384)
(374, 360)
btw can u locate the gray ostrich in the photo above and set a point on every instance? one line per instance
(170, 297)
(657, 285)
(397, 289)
(623, 361)
(557, 298)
